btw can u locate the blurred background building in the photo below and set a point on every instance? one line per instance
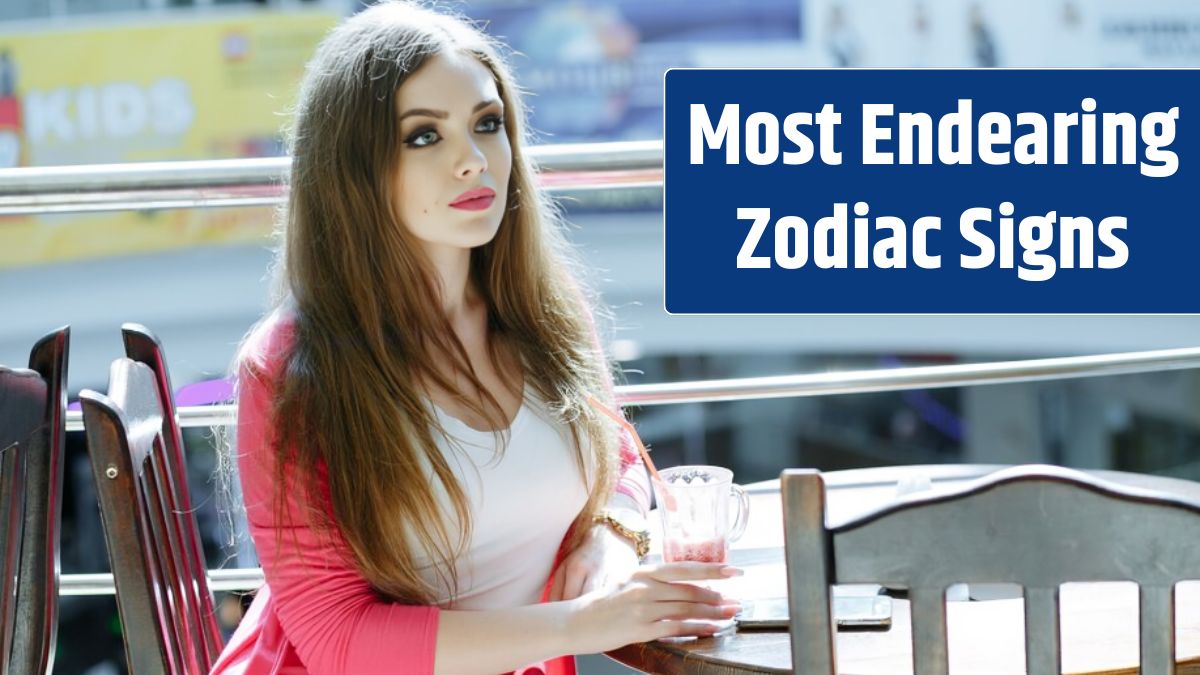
(103, 81)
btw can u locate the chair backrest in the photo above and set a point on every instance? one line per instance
(23, 399)
(32, 434)
(165, 605)
(1036, 526)
(143, 346)
(36, 631)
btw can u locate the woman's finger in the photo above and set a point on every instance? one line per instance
(664, 629)
(683, 592)
(689, 571)
(682, 611)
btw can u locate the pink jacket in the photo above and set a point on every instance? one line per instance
(316, 613)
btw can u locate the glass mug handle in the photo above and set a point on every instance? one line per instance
(743, 511)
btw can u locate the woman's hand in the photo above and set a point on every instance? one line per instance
(603, 558)
(654, 602)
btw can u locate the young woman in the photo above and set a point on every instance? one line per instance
(426, 484)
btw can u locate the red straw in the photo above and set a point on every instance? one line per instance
(636, 439)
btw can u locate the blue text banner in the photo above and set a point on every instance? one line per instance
(930, 191)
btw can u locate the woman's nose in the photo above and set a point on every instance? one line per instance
(472, 161)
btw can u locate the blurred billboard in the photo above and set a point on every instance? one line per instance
(1008, 33)
(164, 90)
(595, 68)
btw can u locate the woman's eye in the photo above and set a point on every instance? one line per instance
(423, 138)
(490, 124)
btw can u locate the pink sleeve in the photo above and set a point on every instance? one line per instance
(331, 616)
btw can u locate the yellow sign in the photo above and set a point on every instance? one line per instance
(216, 88)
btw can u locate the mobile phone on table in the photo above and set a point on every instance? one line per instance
(851, 612)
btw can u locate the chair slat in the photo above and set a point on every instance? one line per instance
(1043, 655)
(175, 568)
(930, 655)
(1157, 627)
(807, 551)
(12, 504)
(172, 604)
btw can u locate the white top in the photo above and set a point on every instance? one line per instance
(521, 504)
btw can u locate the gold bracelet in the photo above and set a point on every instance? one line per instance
(639, 538)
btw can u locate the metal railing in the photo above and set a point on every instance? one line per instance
(826, 384)
(562, 169)
(810, 384)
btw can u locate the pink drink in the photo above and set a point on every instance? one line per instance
(716, 550)
(694, 503)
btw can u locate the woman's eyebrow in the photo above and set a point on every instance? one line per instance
(442, 114)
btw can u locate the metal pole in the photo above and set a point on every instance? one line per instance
(218, 580)
(253, 182)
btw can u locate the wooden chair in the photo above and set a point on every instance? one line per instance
(1036, 526)
(153, 544)
(32, 434)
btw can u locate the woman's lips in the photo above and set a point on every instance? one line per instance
(475, 200)
(477, 204)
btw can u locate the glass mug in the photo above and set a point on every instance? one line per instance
(694, 503)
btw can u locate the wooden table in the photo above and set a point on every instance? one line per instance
(1099, 621)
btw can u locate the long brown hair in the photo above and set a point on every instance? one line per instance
(350, 403)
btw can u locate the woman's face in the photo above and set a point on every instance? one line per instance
(455, 159)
